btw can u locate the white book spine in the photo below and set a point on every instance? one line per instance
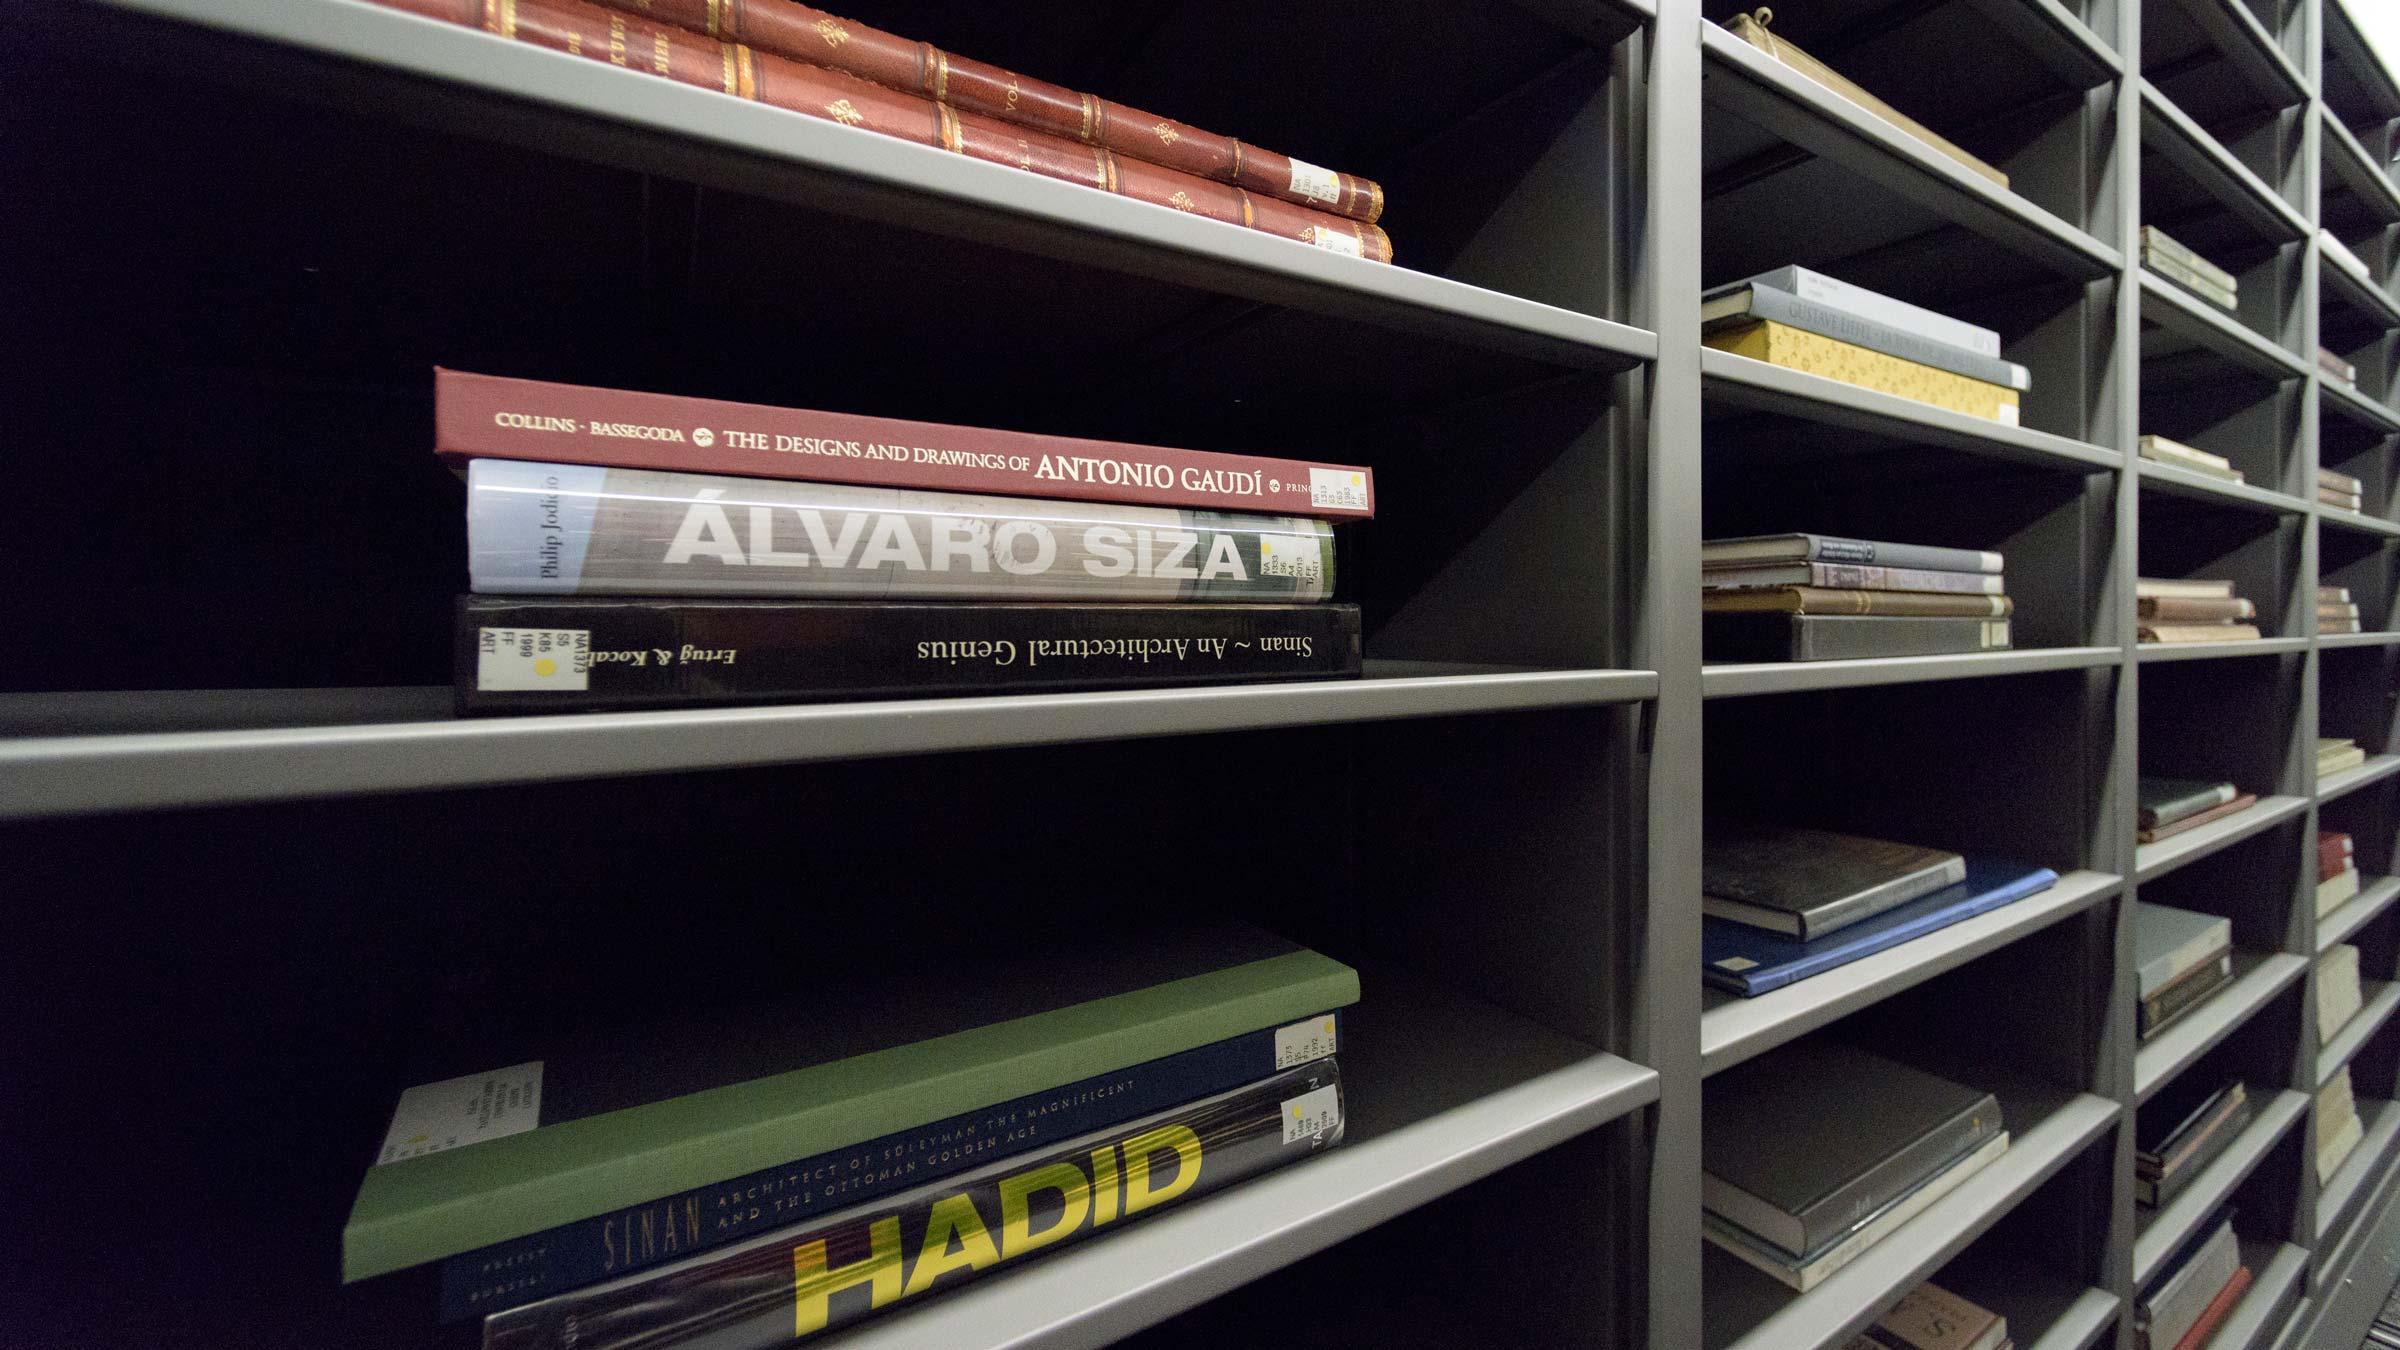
(1883, 309)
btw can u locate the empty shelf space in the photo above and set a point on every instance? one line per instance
(2184, 143)
(2357, 170)
(2163, 1231)
(2376, 768)
(2359, 1172)
(1775, 677)
(2339, 519)
(2356, 912)
(2079, 1325)
(2354, 406)
(2381, 998)
(63, 774)
(2257, 978)
(2246, 45)
(2152, 861)
(2191, 321)
(1733, 1029)
(2346, 288)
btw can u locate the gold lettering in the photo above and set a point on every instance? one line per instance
(841, 110)
(814, 1283)
(1016, 1220)
(1178, 1139)
(616, 40)
(833, 33)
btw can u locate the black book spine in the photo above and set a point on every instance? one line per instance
(523, 654)
(817, 1276)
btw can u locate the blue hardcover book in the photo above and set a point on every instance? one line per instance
(606, 1246)
(1751, 961)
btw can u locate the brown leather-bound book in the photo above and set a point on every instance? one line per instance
(2241, 803)
(692, 58)
(2195, 609)
(920, 68)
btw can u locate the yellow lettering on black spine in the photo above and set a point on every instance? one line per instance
(1016, 1219)
(1176, 1138)
(952, 1216)
(814, 1283)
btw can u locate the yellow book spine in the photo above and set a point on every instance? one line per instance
(1814, 354)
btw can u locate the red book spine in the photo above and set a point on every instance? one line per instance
(2219, 1308)
(818, 38)
(2334, 852)
(491, 417)
(686, 57)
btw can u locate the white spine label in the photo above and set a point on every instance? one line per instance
(1337, 488)
(533, 658)
(1312, 1113)
(1336, 241)
(1285, 555)
(1301, 1042)
(461, 1111)
(1323, 185)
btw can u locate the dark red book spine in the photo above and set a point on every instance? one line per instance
(2219, 1308)
(686, 57)
(818, 38)
(491, 417)
(2334, 852)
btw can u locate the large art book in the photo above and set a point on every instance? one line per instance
(1808, 882)
(614, 1118)
(1750, 961)
(531, 654)
(493, 417)
(800, 1281)
(566, 529)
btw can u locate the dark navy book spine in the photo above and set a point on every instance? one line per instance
(669, 1228)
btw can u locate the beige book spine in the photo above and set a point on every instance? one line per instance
(1753, 30)
(1815, 354)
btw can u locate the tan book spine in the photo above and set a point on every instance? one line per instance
(1814, 354)
(2195, 609)
(2197, 632)
(1753, 30)
(1828, 600)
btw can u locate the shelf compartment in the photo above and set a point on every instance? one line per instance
(2363, 524)
(2352, 164)
(461, 77)
(67, 774)
(2166, 1229)
(2381, 998)
(2152, 861)
(2257, 978)
(1735, 679)
(2245, 44)
(2199, 487)
(2191, 320)
(2377, 768)
(2357, 407)
(2167, 129)
(2043, 1307)
(2370, 303)
(2356, 912)
(1750, 1311)
(2365, 1166)
(2078, 1326)
(2149, 652)
(1733, 1029)
(2274, 1287)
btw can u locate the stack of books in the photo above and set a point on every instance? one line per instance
(2338, 1128)
(1810, 322)
(2160, 450)
(1753, 29)
(2338, 994)
(1930, 1317)
(2170, 806)
(1780, 904)
(780, 1170)
(2331, 365)
(635, 550)
(806, 61)
(2180, 958)
(2337, 870)
(2336, 753)
(2194, 609)
(2340, 491)
(2183, 1129)
(1815, 597)
(1817, 1151)
(2336, 611)
(2169, 259)
(2194, 1291)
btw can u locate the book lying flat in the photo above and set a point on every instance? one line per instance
(2195, 609)
(1805, 1273)
(1930, 1317)
(2176, 1137)
(2196, 632)
(2166, 800)
(2158, 241)
(1850, 576)
(2161, 1010)
(1811, 882)
(2190, 280)
(1798, 349)
(1824, 290)
(2192, 822)
(2336, 759)
(2195, 587)
(1752, 961)
(2340, 482)
(2333, 595)
(2226, 1121)
(1817, 600)
(2168, 450)
(1756, 303)
(1754, 31)
(1761, 549)
(2168, 942)
(1842, 637)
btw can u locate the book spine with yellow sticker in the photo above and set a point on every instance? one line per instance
(805, 1279)
(645, 47)
(1815, 354)
(539, 1267)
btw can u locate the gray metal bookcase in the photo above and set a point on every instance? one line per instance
(264, 876)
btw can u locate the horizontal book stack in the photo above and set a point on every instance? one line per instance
(2337, 870)
(805, 61)
(2331, 365)
(789, 1168)
(2337, 1128)
(2197, 609)
(2340, 491)
(2164, 256)
(1814, 597)
(2161, 450)
(2178, 1133)
(1780, 904)
(2336, 753)
(2195, 1290)
(2338, 994)
(2336, 611)
(2170, 806)
(2180, 959)
(1810, 322)
(1818, 1151)
(634, 550)
(1930, 1317)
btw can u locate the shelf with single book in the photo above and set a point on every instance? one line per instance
(2258, 979)
(2194, 46)
(2278, 1278)
(1733, 1029)
(2365, 1168)
(2162, 1231)
(2204, 194)
(2382, 997)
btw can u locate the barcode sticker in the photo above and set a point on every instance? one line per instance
(1322, 185)
(1312, 1113)
(1291, 556)
(457, 1112)
(1301, 1042)
(533, 658)
(1338, 488)
(1336, 241)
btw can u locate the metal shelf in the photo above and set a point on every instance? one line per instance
(1733, 1029)
(2080, 1325)
(2358, 408)
(2250, 49)
(2366, 1166)
(2363, 524)
(2377, 768)
(2152, 861)
(2168, 130)
(1733, 680)
(2213, 330)
(2377, 639)
(2150, 652)
(2257, 979)
(2356, 912)
(2356, 168)
(2167, 1229)
(2278, 1269)
(68, 774)
(2057, 37)
(2199, 487)
(2372, 304)
(2381, 998)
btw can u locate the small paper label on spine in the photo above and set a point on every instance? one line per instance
(533, 658)
(1284, 555)
(1336, 241)
(1337, 488)
(2008, 414)
(1317, 184)
(1301, 1042)
(1312, 1113)
(461, 1111)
